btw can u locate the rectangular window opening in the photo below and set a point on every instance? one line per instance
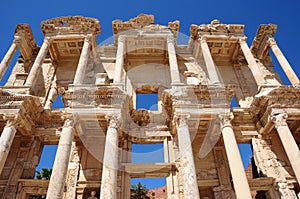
(147, 101)
(152, 187)
(44, 168)
(147, 153)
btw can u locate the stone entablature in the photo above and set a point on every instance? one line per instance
(71, 25)
(195, 86)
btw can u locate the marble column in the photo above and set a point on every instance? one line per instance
(6, 140)
(188, 172)
(288, 142)
(254, 67)
(239, 178)
(119, 60)
(83, 60)
(283, 62)
(175, 75)
(110, 160)
(9, 56)
(60, 167)
(209, 62)
(38, 62)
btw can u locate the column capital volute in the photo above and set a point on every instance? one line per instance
(225, 119)
(113, 119)
(181, 119)
(279, 119)
(271, 41)
(68, 121)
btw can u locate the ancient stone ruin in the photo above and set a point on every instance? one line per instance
(195, 120)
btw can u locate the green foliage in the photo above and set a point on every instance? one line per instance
(44, 174)
(138, 191)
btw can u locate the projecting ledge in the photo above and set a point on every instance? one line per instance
(154, 170)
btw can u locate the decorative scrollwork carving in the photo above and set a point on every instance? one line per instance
(114, 120)
(279, 119)
(225, 119)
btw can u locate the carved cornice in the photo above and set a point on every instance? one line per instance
(260, 44)
(71, 24)
(94, 97)
(279, 97)
(24, 31)
(140, 21)
(143, 21)
(216, 28)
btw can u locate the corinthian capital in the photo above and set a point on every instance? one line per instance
(181, 119)
(69, 123)
(279, 119)
(225, 119)
(114, 120)
(11, 120)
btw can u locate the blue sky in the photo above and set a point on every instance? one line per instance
(251, 13)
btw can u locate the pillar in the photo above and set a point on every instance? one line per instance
(6, 140)
(119, 60)
(288, 142)
(83, 60)
(175, 75)
(189, 177)
(283, 62)
(60, 167)
(110, 160)
(38, 62)
(209, 62)
(240, 182)
(9, 56)
(254, 67)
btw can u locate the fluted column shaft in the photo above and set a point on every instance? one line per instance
(119, 60)
(254, 67)
(239, 178)
(60, 167)
(9, 56)
(175, 76)
(286, 67)
(110, 160)
(190, 183)
(6, 140)
(288, 142)
(38, 62)
(209, 62)
(83, 60)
